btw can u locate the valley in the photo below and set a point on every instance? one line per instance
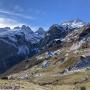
(57, 59)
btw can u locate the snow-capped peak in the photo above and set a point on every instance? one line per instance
(25, 30)
(59, 27)
(77, 23)
(40, 31)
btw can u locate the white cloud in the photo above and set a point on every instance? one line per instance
(8, 22)
(16, 14)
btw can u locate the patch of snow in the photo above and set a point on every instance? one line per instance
(74, 24)
(45, 63)
(39, 57)
(57, 39)
(32, 37)
(63, 39)
(57, 52)
(50, 53)
(38, 75)
(74, 71)
(77, 45)
(67, 54)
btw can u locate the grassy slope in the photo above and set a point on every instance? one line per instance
(24, 85)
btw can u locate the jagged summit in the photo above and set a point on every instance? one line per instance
(54, 26)
(76, 23)
(24, 28)
(17, 27)
(40, 31)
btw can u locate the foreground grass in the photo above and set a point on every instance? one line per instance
(25, 85)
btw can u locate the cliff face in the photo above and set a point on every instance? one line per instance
(15, 46)
(10, 51)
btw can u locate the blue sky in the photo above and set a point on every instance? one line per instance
(42, 13)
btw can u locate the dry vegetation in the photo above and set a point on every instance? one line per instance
(24, 85)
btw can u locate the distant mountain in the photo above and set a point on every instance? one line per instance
(77, 23)
(59, 31)
(29, 34)
(55, 32)
(26, 28)
(40, 32)
(4, 29)
(17, 27)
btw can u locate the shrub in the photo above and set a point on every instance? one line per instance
(83, 88)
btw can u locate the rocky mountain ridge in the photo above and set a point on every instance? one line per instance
(56, 38)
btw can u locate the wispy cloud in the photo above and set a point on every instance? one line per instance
(8, 22)
(17, 14)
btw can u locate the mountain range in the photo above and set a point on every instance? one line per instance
(62, 50)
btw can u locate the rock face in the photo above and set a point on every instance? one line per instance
(40, 31)
(4, 29)
(55, 32)
(83, 62)
(11, 51)
(26, 28)
(7, 51)
(59, 32)
(16, 45)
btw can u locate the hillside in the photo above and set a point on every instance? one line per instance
(63, 59)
